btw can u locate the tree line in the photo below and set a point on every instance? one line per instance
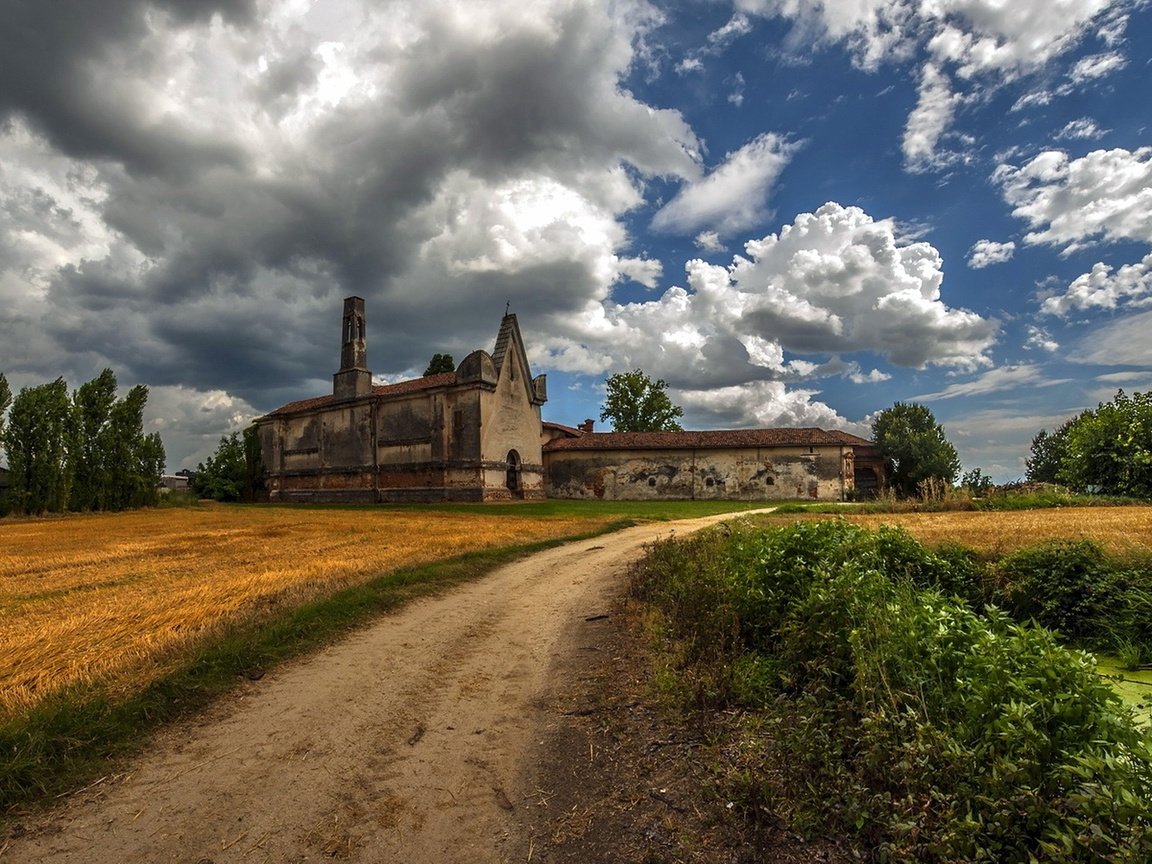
(1107, 449)
(81, 451)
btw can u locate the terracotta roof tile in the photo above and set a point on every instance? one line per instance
(802, 437)
(384, 391)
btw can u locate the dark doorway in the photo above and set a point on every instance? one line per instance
(513, 480)
(866, 482)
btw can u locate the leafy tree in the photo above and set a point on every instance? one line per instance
(235, 472)
(1048, 452)
(976, 482)
(134, 461)
(92, 404)
(40, 426)
(5, 401)
(1110, 449)
(914, 444)
(636, 403)
(440, 363)
(253, 466)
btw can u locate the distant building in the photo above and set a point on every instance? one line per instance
(177, 482)
(733, 465)
(468, 435)
(476, 435)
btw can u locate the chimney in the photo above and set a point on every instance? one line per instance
(587, 425)
(353, 379)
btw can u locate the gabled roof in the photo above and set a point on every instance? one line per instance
(569, 431)
(380, 391)
(714, 439)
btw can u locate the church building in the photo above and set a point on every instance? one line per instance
(476, 434)
(468, 435)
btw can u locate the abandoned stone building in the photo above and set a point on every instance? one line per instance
(468, 435)
(476, 434)
(734, 465)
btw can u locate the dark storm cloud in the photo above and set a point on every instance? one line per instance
(215, 297)
(50, 54)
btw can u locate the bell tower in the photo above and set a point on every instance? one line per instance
(353, 379)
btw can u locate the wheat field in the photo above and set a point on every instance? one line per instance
(117, 598)
(1125, 532)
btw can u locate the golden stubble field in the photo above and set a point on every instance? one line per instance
(1125, 532)
(116, 598)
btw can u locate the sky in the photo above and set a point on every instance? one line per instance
(795, 213)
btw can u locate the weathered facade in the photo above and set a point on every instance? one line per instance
(476, 435)
(468, 435)
(737, 465)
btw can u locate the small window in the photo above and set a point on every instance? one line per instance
(651, 481)
(709, 482)
(771, 481)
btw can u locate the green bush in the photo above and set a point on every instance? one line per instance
(927, 730)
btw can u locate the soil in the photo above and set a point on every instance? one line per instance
(508, 720)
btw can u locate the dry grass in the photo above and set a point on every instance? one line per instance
(1125, 532)
(116, 598)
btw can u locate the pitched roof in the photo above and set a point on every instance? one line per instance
(380, 391)
(714, 439)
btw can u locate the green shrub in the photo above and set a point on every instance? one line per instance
(904, 717)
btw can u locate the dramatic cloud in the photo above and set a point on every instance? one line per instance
(278, 164)
(834, 282)
(1106, 195)
(732, 197)
(1105, 288)
(985, 253)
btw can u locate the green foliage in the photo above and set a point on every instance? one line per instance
(1106, 450)
(440, 363)
(40, 427)
(234, 472)
(1070, 587)
(92, 403)
(1110, 449)
(1047, 454)
(636, 403)
(914, 444)
(976, 482)
(87, 452)
(222, 477)
(5, 401)
(927, 730)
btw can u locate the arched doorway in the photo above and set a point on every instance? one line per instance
(513, 478)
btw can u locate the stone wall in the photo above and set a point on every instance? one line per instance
(769, 474)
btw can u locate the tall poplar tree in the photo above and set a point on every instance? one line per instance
(40, 426)
(92, 404)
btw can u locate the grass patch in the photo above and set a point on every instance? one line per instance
(75, 735)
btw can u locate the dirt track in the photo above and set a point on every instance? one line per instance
(402, 743)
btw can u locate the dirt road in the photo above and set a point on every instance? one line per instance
(403, 743)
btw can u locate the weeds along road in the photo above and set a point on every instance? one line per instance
(402, 743)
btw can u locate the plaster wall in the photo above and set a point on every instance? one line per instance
(772, 474)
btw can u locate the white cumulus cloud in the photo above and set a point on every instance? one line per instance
(985, 253)
(1105, 288)
(1105, 195)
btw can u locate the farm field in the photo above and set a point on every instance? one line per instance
(117, 598)
(1125, 532)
